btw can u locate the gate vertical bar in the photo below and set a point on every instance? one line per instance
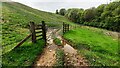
(44, 31)
(63, 27)
(32, 29)
(68, 27)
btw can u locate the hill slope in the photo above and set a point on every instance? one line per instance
(16, 18)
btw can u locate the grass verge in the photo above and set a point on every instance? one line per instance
(98, 48)
(24, 55)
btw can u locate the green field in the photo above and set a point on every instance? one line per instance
(98, 48)
(15, 21)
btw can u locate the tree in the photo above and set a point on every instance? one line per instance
(57, 12)
(104, 16)
(89, 14)
(62, 11)
(99, 11)
(67, 12)
(116, 11)
(117, 0)
(74, 14)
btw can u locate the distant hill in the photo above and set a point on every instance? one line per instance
(16, 12)
(16, 18)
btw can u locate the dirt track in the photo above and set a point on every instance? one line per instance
(48, 57)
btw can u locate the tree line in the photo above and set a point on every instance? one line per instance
(104, 16)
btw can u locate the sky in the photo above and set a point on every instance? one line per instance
(52, 5)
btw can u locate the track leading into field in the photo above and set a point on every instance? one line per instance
(48, 57)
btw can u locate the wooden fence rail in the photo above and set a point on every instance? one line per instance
(21, 42)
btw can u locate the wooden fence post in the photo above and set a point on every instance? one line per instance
(44, 31)
(63, 28)
(32, 29)
(68, 27)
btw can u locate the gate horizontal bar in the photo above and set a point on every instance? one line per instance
(39, 32)
(39, 35)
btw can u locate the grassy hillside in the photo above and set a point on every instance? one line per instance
(15, 21)
(99, 48)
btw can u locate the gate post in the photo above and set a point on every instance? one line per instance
(63, 27)
(44, 31)
(68, 27)
(32, 29)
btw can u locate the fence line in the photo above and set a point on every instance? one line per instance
(67, 27)
(21, 42)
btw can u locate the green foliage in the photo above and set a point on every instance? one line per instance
(98, 48)
(89, 14)
(100, 9)
(23, 55)
(57, 41)
(62, 11)
(57, 12)
(60, 57)
(117, 0)
(105, 16)
(116, 11)
(74, 15)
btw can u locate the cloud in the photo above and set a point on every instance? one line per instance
(52, 5)
(62, 0)
(5, 1)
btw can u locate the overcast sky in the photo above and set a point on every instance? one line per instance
(52, 5)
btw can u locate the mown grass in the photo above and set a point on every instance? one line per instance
(98, 48)
(24, 55)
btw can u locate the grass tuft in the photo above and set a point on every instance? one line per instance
(57, 41)
(60, 58)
